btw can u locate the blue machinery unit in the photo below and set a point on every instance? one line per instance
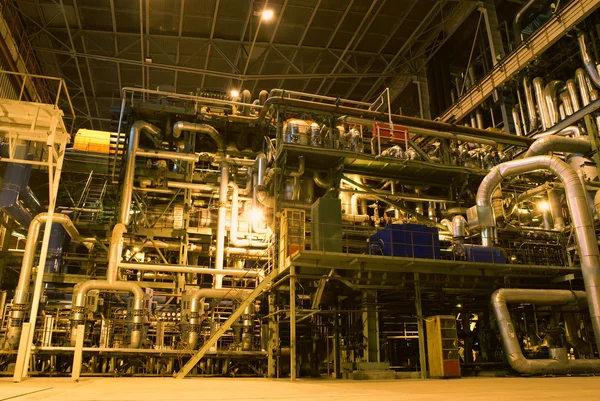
(406, 240)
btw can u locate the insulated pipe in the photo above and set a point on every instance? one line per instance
(581, 218)
(153, 267)
(209, 130)
(572, 90)
(218, 282)
(542, 189)
(573, 130)
(459, 227)
(115, 251)
(127, 189)
(556, 209)
(551, 96)
(583, 88)
(517, 121)
(589, 64)
(510, 340)
(233, 229)
(479, 119)
(517, 21)
(531, 110)
(571, 329)
(538, 87)
(163, 154)
(21, 298)
(322, 182)
(559, 144)
(192, 186)
(565, 98)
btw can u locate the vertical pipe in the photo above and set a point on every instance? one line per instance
(583, 88)
(531, 110)
(538, 87)
(420, 328)
(293, 343)
(219, 254)
(517, 121)
(572, 89)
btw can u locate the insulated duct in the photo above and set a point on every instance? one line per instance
(22, 297)
(559, 144)
(538, 87)
(531, 110)
(581, 218)
(209, 130)
(510, 341)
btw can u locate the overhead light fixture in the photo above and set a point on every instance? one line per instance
(148, 60)
(459, 306)
(234, 93)
(544, 206)
(267, 15)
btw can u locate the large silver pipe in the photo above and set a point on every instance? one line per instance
(459, 227)
(167, 155)
(589, 64)
(114, 252)
(221, 221)
(21, 298)
(209, 130)
(538, 88)
(551, 96)
(153, 267)
(556, 209)
(558, 144)
(581, 218)
(510, 340)
(127, 188)
(517, 121)
(531, 110)
(191, 186)
(517, 21)
(573, 130)
(233, 229)
(572, 89)
(320, 181)
(583, 88)
(567, 105)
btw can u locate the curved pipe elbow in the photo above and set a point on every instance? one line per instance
(209, 130)
(588, 63)
(558, 144)
(321, 182)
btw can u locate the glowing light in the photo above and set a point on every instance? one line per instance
(136, 249)
(267, 15)
(544, 206)
(255, 215)
(459, 305)
(234, 93)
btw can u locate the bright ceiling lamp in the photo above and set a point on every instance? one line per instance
(267, 15)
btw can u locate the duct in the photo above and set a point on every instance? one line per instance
(510, 341)
(479, 118)
(573, 130)
(209, 130)
(542, 189)
(448, 224)
(191, 186)
(559, 144)
(538, 87)
(459, 227)
(322, 182)
(571, 329)
(355, 215)
(218, 282)
(531, 110)
(163, 154)
(153, 267)
(588, 63)
(111, 284)
(127, 189)
(583, 88)
(517, 121)
(296, 176)
(13, 185)
(567, 105)
(551, 97)
(556, 209)
(21, 298)
(517, 21)
(233, 230)
(581, 218)
(572, 90)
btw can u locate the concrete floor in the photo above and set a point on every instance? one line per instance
(209, 389)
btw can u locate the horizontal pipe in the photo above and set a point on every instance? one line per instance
(153, 267)
(559, 144)
(163, 154)
(191, 186)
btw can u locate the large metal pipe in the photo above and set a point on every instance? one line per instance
(78, 309)
(538, 88)
(551, 96)
(167, 155)
(517, 21)
(209, 130)
(589, 64)
(559, 144)
(583, 88)
(153, 267)
(221, 221)
(510, 340)
(531, 110)
(127, 186)
(21, 298)
(517, 121)
(556, 209)
(581, 218)
(233, 229)
(572, 90)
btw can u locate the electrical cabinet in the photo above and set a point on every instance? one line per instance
(442, 346)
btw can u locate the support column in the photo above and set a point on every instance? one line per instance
(370, 318)
(293, 373)
(420, 79)
(488, 8)
(78, 356)
(422, 345)
(273, 340)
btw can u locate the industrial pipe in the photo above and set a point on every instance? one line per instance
(153, 267)
(21, 298)
(581, 218)
(559, 144)
(233, 229)
(551, 97)
(163, 154)
(583, 88)
(510, 341)
(209, 130)
(531, 110)
(572, 90)
(589, 64)
(517, 21)
(222, 214)
(538, 87)
(127, 189)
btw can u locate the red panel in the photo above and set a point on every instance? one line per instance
(399, 135)
(451, 369)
